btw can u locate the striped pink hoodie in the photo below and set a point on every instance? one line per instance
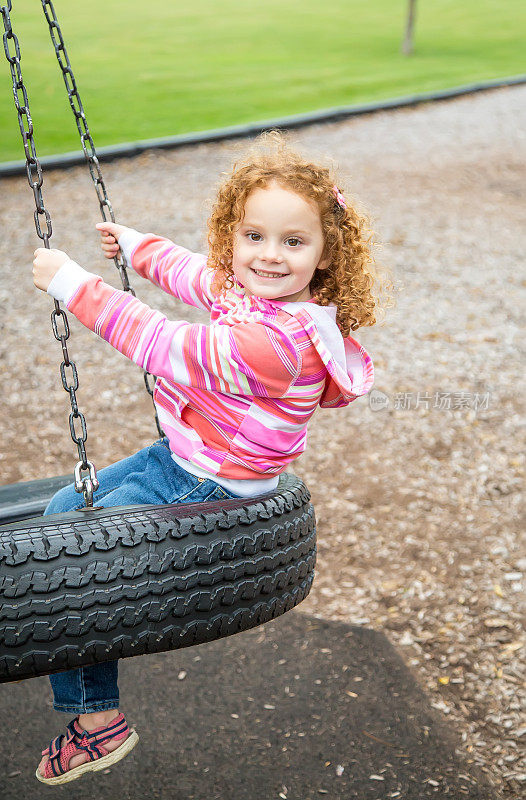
(234, 397)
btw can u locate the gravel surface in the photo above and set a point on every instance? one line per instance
(417, 487)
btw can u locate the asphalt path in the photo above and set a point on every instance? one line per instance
(297, 709)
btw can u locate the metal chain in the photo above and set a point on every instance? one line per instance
(89, 483)
(90, 153)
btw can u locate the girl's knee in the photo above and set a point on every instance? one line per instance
(66, 499)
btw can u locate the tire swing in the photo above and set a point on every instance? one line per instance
(95, 585)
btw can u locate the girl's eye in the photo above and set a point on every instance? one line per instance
(293, 241)
(254, 237)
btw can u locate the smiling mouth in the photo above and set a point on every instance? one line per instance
(262, 274)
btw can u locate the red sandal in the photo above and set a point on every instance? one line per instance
(77, 740)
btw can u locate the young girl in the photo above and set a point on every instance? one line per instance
(287, 277)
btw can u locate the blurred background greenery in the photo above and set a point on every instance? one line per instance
(146, 70)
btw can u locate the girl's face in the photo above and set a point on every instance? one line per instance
(278, 245)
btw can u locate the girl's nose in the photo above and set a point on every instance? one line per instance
(270, 252)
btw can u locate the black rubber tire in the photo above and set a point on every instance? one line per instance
(78, 589)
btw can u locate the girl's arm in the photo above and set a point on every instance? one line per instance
(250, 358)
(177, 271)
(247, 358)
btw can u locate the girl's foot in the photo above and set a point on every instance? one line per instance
(84, 750)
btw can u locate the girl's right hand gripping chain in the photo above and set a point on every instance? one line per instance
(109, 235)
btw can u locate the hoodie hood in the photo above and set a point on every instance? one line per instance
(349, 366)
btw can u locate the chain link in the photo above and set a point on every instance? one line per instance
(90, 153)
(34, 176)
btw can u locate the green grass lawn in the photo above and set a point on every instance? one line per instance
(159, 68)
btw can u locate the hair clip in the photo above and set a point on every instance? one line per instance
(339, 197)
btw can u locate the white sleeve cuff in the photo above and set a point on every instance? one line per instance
(128, 241)
(68, 280)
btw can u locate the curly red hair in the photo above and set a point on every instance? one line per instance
(350, 280)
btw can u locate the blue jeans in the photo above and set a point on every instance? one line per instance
(151, 476)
